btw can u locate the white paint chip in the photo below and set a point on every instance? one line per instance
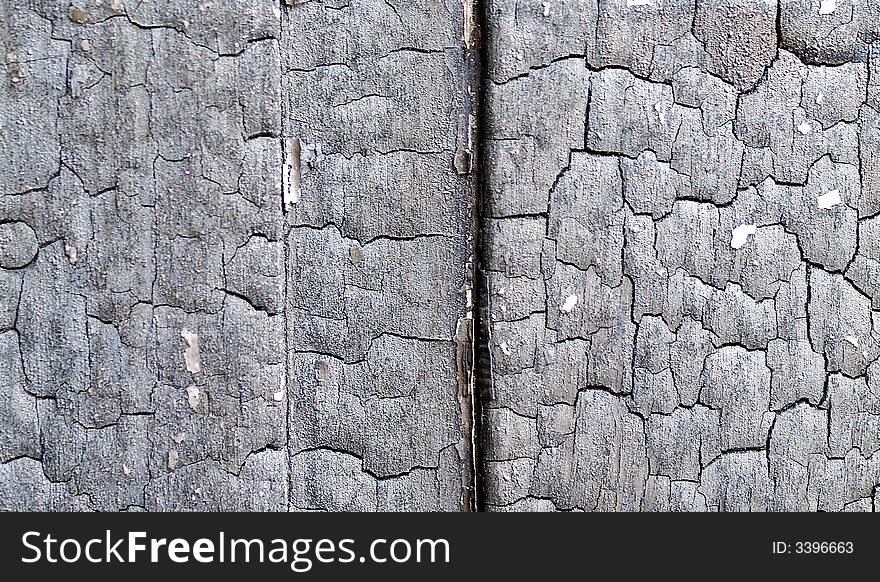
(292, 174)
(276, 11)
(829, 200)
(852, 340)
(278, 396)
(70, 251)
(173, 457)
(660, 113)
(191, 354)
(504, 348)
(827, 6)
(546, 6)
(193, 396)
(569, 304)
(820, 98)
(805, 128)
(468, 22)
(125, 470)
(741, 234)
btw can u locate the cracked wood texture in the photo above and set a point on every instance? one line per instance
(172, 336)
(682, 255)
(236, 252)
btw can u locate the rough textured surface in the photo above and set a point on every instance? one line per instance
(681, 274)
(234, 248)
(237, 254)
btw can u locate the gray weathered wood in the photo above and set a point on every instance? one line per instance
(173, 336)
(237, 251)
(677, 319)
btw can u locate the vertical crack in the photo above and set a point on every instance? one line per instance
(482, 361)
(285, 236)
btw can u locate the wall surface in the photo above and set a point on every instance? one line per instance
(683, 255)
(236, 239)
(439, 255)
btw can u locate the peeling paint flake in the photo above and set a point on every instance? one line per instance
(660, 113)
(569, 304)
(827, 7)
(191, 354)
(741, 235)
(829, 200)
(853, 340)
(173, 458)
(805, 128)
(193, 396)
(292, 173)
(70, 251)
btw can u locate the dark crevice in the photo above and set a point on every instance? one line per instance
(482, 356)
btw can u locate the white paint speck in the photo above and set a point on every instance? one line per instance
(805, 128)
(569, 304)
(278, 396)
(292, 174)
(741, 235)
(820, 98)
(852, 340)
(191, 354)
(827, 6)
(658, 107)
(125, 470)
(631, 3)
(504, 348)
(70, 251)
(546, 6)
(277, 12)
(173, 457)
(193, 396)
(829, 200)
